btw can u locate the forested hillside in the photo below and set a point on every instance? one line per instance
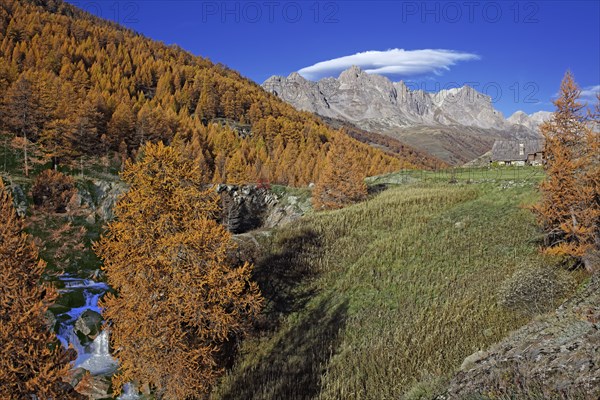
(74, 86)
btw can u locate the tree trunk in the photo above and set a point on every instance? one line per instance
(25, 154)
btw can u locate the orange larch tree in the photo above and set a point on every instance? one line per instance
(23, 114)
(569, 209)
(32, 361)
(179, 299)
(591, 180)
(342, 181)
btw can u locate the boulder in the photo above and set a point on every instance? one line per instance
(19, 200)
(50, 320)
(472, 360)
(284, 215)
(74, 376)
(88, 326)
(94, 387)
(90, 219)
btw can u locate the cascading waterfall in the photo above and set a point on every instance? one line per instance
(99, 361)
(130, 392)
(91, 291)
(100, 345)
(94, 357)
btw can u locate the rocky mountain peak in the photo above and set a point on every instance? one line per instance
(517, 115)
(373, 102)
(540, 116)
(532, 121)
(351, 73)
(294, 76)
(401, 86)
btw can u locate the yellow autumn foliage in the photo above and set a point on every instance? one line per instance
(32, 361)
(570, 206)
(178, 298)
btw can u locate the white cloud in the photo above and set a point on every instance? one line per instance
(587, 94)
(590, 92)
(391, 62)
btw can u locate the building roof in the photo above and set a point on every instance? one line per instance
(510, 150)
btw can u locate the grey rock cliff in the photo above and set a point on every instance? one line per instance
(249, 207)
(374, 102)
(456, 125)
(532, 121)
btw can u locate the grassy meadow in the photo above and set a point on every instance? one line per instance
(385, 299)
(381, 300)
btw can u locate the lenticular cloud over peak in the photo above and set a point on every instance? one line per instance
(391, 62)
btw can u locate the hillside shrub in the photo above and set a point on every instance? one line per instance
(52, 191)
(534, 290)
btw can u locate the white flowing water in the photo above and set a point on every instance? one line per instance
(94, 357)
(130, 392)
(99, 361)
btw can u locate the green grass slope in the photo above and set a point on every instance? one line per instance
(374, 298)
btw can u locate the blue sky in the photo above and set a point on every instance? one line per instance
(516, 52)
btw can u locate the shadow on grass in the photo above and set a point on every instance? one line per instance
(283, 273)
(290, 364)
(293, 367)
(376, 188)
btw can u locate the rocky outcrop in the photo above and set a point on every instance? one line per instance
(244, 207)
(98, 198)
(95, 198)
(249, 207)
(555, 356)
(19, 200)
(288, 209)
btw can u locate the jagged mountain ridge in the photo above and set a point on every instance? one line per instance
(374, 103)
(531, 121)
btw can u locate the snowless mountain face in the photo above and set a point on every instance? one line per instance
(532, 121)
(455, 125)
(373, 102)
